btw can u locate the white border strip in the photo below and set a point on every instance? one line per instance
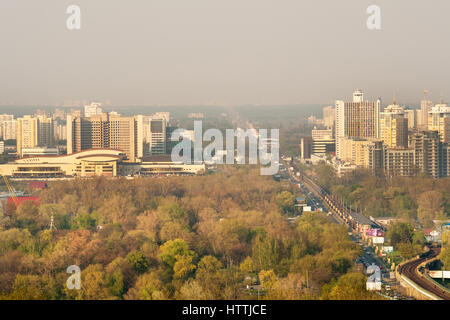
(422, 291)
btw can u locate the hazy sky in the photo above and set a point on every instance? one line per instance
(148, 52)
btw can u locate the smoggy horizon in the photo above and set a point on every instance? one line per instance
(221, 53)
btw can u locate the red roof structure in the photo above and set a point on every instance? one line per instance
(19, 200)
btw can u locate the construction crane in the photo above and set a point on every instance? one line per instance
(12, 191)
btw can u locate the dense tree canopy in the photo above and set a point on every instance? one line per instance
(202, 237)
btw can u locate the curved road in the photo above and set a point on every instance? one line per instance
(410, 271)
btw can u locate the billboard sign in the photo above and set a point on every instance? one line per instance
(378, 240)
(375, 232)
(438, 274)
(388, 249)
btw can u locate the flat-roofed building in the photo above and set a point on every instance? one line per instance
(399, 162)
(427, 145)
(33, 131)
(439, 120)
(94, 109)
(106, 131)
(101, 162)
(445, 160)
(27, 136)
(363, 152)
(3, 119)
(411, 115)
(321, 147)
(155, 134)
(358, 119)
(328, 116)
(394, 127)
(9, 130)
(95, 162)
(306, 148)
(425, 107)
(318, 134)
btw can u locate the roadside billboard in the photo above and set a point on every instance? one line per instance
(377, 240)
(388, 249)
(438, 274)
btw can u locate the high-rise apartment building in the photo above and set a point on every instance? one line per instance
(399, 162)
(427, 152)
(358, 119)
(411, 115)
(106, 131)
(439, 120)
(305, 148)
(155, 133)
(394, 127)
(3, 119)
(425, 107)
(318, 134)
(27, 133)
(60, 131)
(59, 114)
(93, 109)
(445, 160)
(328, 116)
(34, 131)
(10, 130)
(323, 142)
(362, 152)
(45, 131)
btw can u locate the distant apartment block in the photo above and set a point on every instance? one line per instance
(33, 131)
(306, 148)
(425, 107)
(399, 162)
(318, 134)
(59, 114)
(411, 115)
(155, 134)
(323, 142)
(439, 120)
(358, 119)
(93, 109)
(362, 152)
(106, 131)
(427, 152)
(9, 130)
(328, 116)
(394, 127)
(5, 118)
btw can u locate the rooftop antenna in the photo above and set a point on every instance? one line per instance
(425, 92)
